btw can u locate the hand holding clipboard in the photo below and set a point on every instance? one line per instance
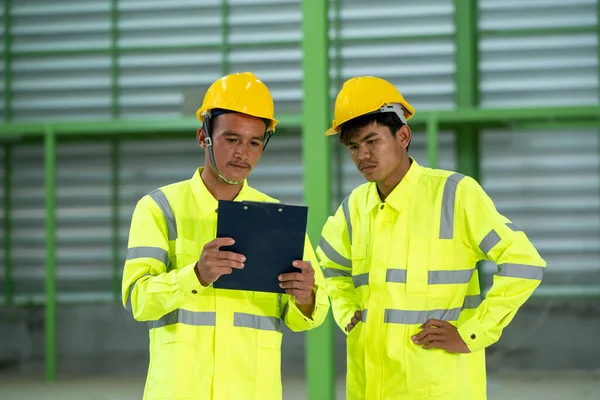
(259, 247)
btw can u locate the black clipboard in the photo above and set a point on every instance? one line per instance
(270, 235)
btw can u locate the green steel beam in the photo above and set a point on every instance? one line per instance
(448, 118)
(567, 30)
(338, 184)
(122, 126)
(7, 61)
(7, 228)
(316, 152)
(114, 58)
(50, 189)
(116, 243)
(467, 91)
(224, 37)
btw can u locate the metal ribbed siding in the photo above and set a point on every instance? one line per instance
(554, 69)
(60, 87)
(422, 67)
(549, 187)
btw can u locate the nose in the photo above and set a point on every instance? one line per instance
(242, 151)
(363, 153)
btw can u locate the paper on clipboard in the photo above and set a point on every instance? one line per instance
(270, 235)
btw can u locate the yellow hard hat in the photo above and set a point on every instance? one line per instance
(241, 92)
(363, 95)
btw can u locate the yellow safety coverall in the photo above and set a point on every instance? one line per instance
(413, 258)
(205, 343)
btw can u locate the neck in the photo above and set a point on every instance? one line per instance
(389, 183)
(215, 185)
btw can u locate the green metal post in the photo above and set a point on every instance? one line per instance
(224, 37)
(337, 45)
(467, 92)
(7, 62)
(432, 141)
(115, 167)
(320, 368)
(8, 281)
(50, 188)
(114, 58)
(467, 89)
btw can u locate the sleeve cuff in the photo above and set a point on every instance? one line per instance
(188, 281)
(473, 336)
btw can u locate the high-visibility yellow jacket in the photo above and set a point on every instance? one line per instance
(205, 343)
(413, 258)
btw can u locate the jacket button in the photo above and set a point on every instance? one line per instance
(473, 336)
(381, 208)
(194, 291)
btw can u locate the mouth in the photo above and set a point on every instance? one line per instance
(365, 169)
(239, 166)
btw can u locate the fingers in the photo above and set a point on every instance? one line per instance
(230, 259)
(432, 337)
(434, 323)
(434, 345)
(304, 266)
(354, 320)
(427, 331)
(219, 242)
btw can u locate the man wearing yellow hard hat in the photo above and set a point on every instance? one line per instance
(208, 343)
(399, 257)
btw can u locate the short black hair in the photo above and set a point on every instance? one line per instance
(389, 120)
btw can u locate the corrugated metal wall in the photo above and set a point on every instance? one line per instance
(547, 181)
(164, 50)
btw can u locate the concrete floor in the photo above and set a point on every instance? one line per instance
(514, 386)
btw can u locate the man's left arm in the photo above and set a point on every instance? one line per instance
(306, 304)
(520, 268)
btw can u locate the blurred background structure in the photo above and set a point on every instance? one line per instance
(97, 109)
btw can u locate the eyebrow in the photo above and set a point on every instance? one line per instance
(237, 135)
(369, 136)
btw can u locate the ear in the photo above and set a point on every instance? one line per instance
(404, 135)
(201, 137)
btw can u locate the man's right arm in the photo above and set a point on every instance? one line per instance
(334, 253)
(150, 288)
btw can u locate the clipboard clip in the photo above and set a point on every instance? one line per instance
(247, 203)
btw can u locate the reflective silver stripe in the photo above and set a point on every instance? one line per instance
(419, 317)
(521, 271)
(334, 273)
(448, 200)
(514, 227)
(347, 216)
(472, 301)
(360, 280)
(160, 199)
(450, 277)
(256, 322)
(363, 314)
(395, 275)
(149, 252)
(489, 241)
(186, 317)
(128, 305)
(333, 255)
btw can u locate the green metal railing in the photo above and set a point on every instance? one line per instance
(466, 120)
